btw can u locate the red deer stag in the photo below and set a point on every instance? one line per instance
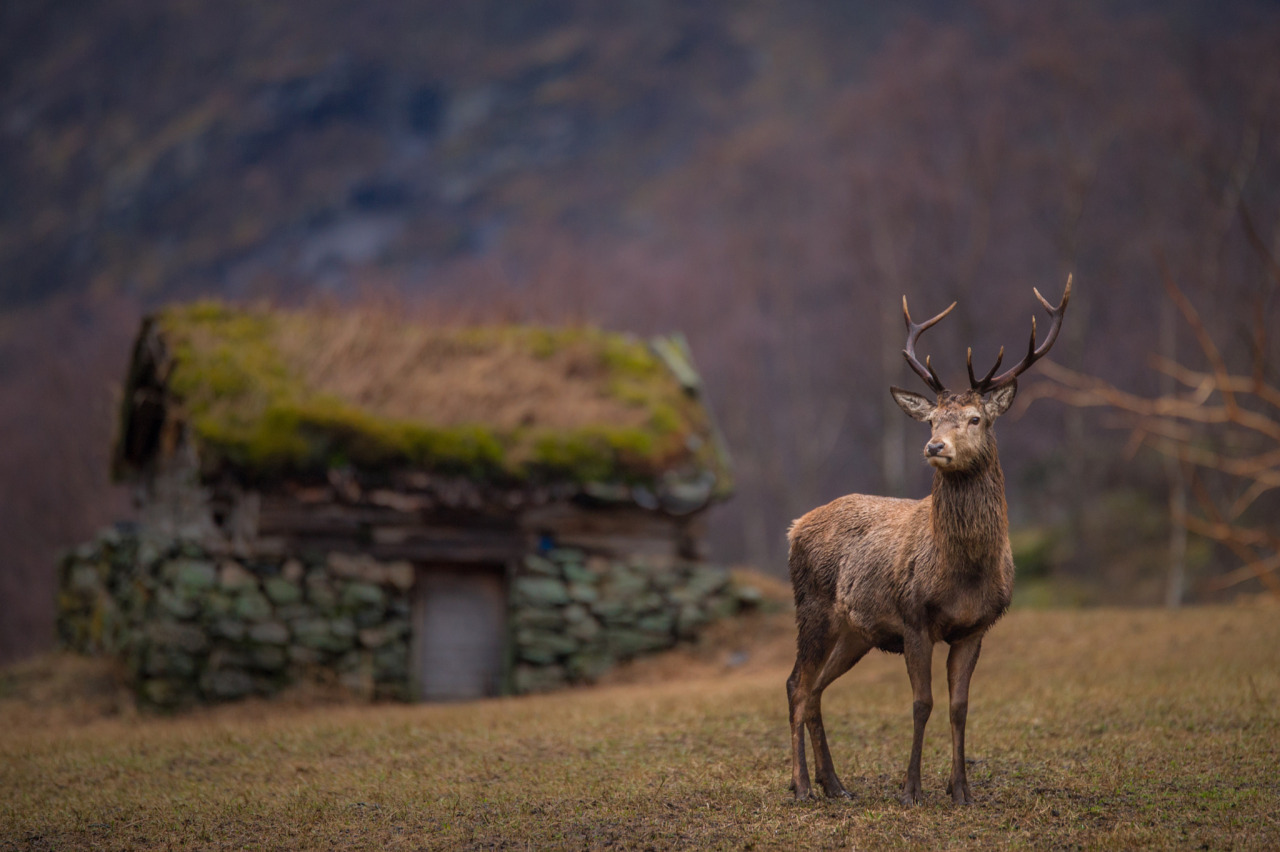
(900, 575)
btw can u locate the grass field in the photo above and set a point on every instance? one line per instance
(1112, 729)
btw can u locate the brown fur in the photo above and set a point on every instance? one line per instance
(901, 575)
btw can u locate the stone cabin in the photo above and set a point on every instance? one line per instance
(407, 511)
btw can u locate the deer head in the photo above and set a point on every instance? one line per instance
(962, 438)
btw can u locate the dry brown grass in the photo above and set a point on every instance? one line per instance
(1114, 729)
(452, 376)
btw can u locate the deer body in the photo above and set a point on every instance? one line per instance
(895, 574)
(903, 575)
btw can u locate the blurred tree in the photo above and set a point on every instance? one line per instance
(1221, 428)
(57, 416)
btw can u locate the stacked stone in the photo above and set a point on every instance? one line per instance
(574, 616)
(193, 628)
(95, 590)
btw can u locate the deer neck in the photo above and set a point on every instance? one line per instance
(969, 514)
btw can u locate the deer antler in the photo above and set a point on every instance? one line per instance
(914, 330)
(1034, 353)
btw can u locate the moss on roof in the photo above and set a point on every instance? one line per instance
(271, 392)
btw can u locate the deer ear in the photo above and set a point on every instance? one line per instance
(916, 406)
(998, 401)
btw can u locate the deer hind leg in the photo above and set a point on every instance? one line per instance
(813, 644)
(798, 690)
(845, 652)
(961, 661)
(822, 656)
(918, 649)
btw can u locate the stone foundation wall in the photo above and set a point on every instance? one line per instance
(192, 628)
(573, 616)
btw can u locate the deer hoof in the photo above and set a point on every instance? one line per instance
(911, 794)
(832, 788)
(959, 793)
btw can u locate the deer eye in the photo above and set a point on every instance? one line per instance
(975, 420)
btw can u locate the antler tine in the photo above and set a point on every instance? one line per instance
(936, 384)
(914, 330)
(1034, 353)
(975, 383)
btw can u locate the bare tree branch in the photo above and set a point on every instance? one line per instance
(1219, 423)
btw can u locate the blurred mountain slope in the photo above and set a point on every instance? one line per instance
(157, 148)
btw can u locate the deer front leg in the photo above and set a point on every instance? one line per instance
(918, 649)
(960, 664)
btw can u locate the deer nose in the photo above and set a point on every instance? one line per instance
(935, 448)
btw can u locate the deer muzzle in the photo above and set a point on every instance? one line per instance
(938, 453)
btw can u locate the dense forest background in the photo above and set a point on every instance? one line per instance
(768, 177)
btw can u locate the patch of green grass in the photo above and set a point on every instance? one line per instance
(324, 431)
(254, 409)
(1034, 549)
(1078, 733)
(591, 454)
(1052, 592)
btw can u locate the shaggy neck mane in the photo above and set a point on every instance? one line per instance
(969, 514)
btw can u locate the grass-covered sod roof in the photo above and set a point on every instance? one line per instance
(273, 392)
